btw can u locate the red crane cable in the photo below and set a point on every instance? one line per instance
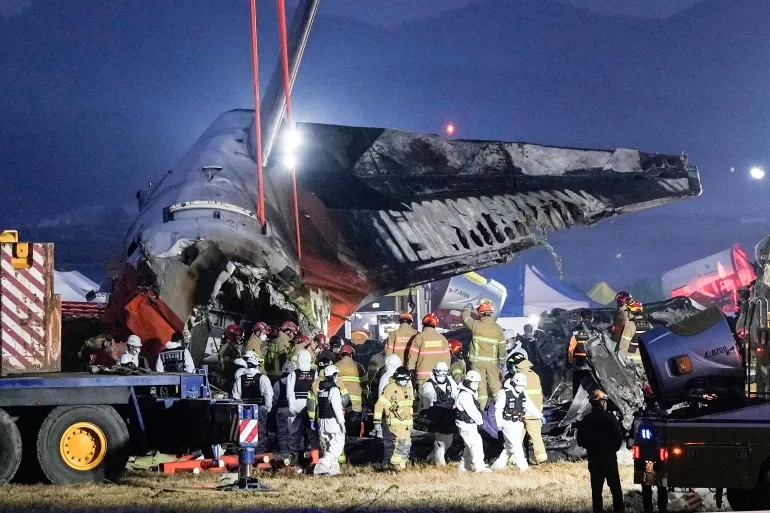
(257, 118)
(287, 93)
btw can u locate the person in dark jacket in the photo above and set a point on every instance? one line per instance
(599, 433)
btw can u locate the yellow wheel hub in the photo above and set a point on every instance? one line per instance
(83, 446)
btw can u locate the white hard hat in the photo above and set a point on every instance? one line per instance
(134, 340)
(304, 359)
(240, 362)
(473, 376)
(126, 358)
(331, 370)
(252, 358)
(393, 362)
(520, 379)
(441, 367)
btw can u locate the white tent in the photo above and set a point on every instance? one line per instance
(73, 287)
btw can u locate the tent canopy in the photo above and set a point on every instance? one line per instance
(73, 287)
(601, 293)
(531, 293)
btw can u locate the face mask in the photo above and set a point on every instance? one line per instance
(474, 386)
(133, 350)
(518, 388)
(402, 382)
(440, 376)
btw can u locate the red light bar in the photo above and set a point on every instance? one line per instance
(663, 454)
(635, 452)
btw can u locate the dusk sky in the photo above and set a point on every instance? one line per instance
(97, 98)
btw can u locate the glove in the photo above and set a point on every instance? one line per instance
(312, 425)
(544, 420)
(378, 431)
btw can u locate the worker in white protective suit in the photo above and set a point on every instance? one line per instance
(511, 405)
(175, 357)
(253, 387)
(469, 418)
(134, 348)
(128, 361)
(437, 401)
(331, 423)
(513, 344)
(392, 363)
(281, 407)
(297, 387)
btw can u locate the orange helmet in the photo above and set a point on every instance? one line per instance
(406, 317)
(485, 308)
(430, 320)
(455, 346)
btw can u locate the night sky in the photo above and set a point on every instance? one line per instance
(97, 98)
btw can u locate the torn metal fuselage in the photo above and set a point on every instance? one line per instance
(379, 210)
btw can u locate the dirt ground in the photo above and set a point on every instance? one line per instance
(554, 487)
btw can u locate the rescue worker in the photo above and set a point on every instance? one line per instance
(350, 373)
(427, 349)
(599, 433)
(532, 423)
(230, 349)
(398, 339)
(297, 387)
(278, 350)
(134, 348)
(528, 341)
(458, 368)
(252, 387)
(438, 400)
(577, 358)
(623, 328)
(312, 403)
(513, 344)
(335, 344)
(281, 407)
(468, 419)
(127, 361)
(487, 351)
(392, 363)
(303, 343)
(331, 423)
(638, 325)
(394, 412)
(512, 404)
(321, 343)
(376, 363)
(258, 339)
(175, 357)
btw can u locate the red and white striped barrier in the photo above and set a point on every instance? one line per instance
(249, 431)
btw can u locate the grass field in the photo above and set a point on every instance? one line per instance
(553, 487)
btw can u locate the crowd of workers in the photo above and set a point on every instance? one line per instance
(310, 390)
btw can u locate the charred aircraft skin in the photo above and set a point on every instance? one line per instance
(379, 210)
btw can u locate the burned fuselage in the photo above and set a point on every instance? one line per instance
(379, 210)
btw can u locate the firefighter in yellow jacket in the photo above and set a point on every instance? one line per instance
(427, 349)
(395, 406)
(398, 339)
(533, 425)
(350, 376)
(279, 350)
(487, 352)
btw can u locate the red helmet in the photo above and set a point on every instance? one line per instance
(289, 326)
(233, 332)
(621, 297)
(430, 320)
(455, 346)
(261, 327)
(302, 339)
(322, 341)
(347, 349)
(406, 317)
(484, 308)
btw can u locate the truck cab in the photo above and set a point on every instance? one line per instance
(715, 434)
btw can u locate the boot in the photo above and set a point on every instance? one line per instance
(501, 462)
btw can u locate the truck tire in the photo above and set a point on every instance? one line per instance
(82, 444)
(760, 499)
(739, 500)
(10, 447)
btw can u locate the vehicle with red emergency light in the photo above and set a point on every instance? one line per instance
(716, 433)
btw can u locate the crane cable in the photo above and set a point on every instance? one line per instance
(257, 117)
(287, 93)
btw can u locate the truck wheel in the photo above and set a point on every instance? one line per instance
(82, 444)
(760, 499)
(739, 500)
(10, 447)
